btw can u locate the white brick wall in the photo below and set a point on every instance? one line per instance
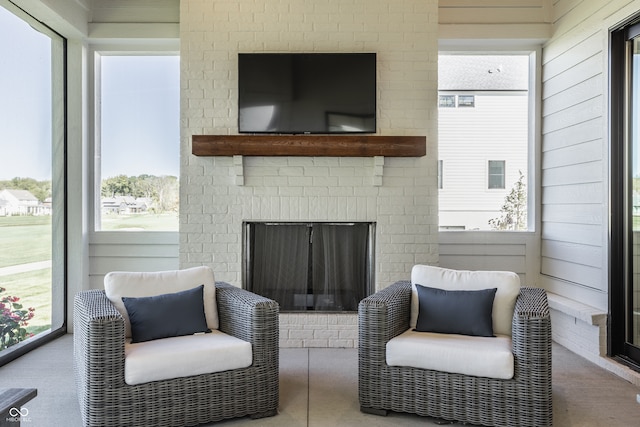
(318, 330)
(404, 206)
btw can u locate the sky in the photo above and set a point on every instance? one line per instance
(25, 100)
(140, 108)
(140, 115)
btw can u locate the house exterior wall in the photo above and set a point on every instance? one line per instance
(575, 165)
(496, 128)
(574, 152)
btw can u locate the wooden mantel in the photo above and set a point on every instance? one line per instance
(309, 145)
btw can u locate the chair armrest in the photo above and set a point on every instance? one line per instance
(251, 318)
(99, 338)
(531, 334)
(381, 317)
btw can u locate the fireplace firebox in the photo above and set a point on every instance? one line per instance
(310, 266)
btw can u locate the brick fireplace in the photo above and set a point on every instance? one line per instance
(220, 193)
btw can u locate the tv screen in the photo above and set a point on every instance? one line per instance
(307, 92)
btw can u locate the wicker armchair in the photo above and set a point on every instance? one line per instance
(106, 400)
(524, 400)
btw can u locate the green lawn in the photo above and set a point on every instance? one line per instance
(146, 222)
(24, 239)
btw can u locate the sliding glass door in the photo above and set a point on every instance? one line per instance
(32, 183)
(624, 331)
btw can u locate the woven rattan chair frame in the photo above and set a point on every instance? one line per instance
(524, 400)
(106, 400)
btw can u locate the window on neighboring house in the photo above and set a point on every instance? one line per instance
(492, 121)
(32, 183)
(440, 181)
(447, 101)
(496, 174)
(466, 101)
(138, 142)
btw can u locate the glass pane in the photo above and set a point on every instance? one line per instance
(447, 101)
(496, 174)
(491, 121)
(28, 265)
(139, 143)
(635, 192)
(466, 101)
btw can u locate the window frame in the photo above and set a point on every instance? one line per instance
(534, 53)
(59, 172)
(502, 175)
(95, 53)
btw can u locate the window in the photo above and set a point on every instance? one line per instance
(496, 174)
(139, 141)
(466, 101)
(488, 129)
(447, 101)
(32, 182)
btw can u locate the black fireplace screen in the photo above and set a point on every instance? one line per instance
(310, 266)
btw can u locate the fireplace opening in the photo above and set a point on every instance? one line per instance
(310, 266)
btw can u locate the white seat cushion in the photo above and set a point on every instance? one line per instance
(506, 282)
(120, 284)
(184, 356)
(459, 354)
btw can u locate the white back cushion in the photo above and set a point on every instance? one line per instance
(120, 284)
(506, 282)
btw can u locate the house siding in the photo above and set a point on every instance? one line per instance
(575, 150)
(495, 129)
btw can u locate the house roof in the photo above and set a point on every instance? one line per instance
(483, 72)
(23, 195)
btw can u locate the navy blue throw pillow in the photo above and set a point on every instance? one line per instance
(455, 312)
(166, 315)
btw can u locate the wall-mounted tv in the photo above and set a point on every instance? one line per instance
(307, 93)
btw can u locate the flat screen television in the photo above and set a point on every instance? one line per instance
(296, 93)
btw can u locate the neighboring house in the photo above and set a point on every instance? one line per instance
(482, 136)
(21, 202)
(126, 205)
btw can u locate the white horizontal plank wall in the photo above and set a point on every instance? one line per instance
(575, 149)
(131, 251)
(492, 250)
(136, 11)
(493, 11)
(575, 164)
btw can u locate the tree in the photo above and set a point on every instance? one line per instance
(117, 186)
(513, 214)
(163, 190)
(166, 196)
